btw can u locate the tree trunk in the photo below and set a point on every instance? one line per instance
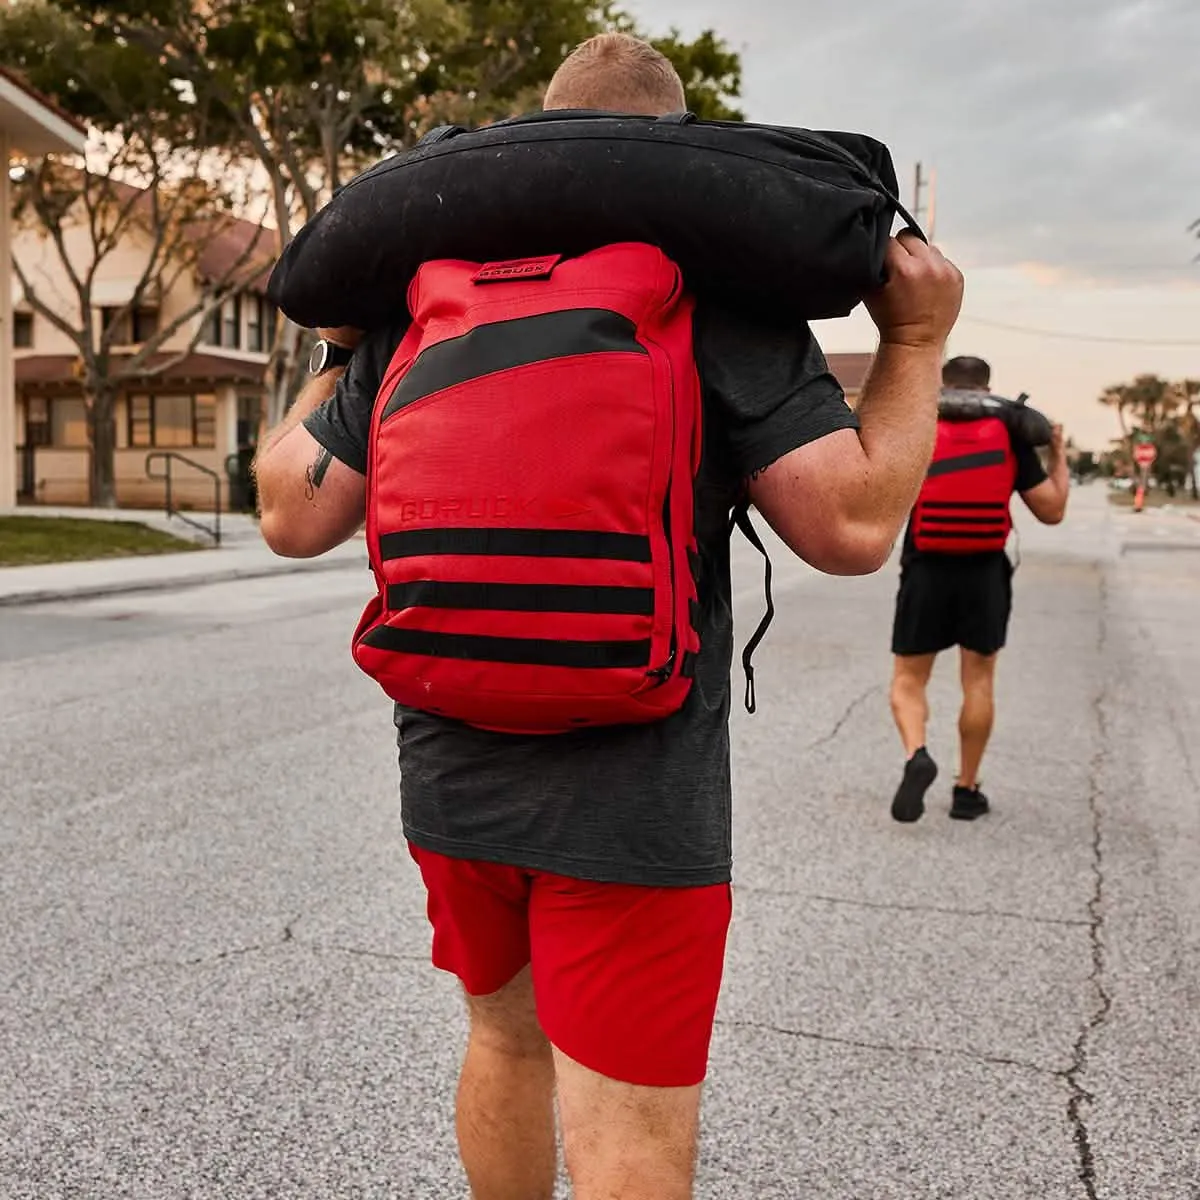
(287, 373)
(1121, 418)
(102, 434)
(1193, 445)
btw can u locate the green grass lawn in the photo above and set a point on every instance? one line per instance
(25, 541)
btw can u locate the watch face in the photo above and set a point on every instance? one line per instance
(318, 357)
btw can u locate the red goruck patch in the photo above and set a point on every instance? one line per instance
(516, 268)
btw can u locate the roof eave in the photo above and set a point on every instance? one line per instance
(32, 126)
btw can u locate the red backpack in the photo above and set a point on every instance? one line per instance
(963, 507)
(532, 460)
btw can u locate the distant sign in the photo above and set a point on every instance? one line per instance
(1144, 454)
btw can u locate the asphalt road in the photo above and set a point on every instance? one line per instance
(213, 975)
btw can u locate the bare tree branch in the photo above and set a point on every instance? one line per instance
(43, 309)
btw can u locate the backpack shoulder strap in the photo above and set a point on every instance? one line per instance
(740, 519)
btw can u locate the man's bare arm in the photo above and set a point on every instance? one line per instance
(310, 502)
(1048, 501)
(841, 502)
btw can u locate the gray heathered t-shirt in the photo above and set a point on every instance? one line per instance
(644, 804)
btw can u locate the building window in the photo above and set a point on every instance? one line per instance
(261, 320)
(141, 421)
(254, 323)
(129, 328)
(22, 330)
(37, 421)
(212, 328)
(223, 325)
(115, 323)
(231, 323)
(145, 325)
(68, 422)
(204, 421)
(172, 422)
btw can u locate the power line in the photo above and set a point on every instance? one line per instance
(1080, 337)
(1076, 267)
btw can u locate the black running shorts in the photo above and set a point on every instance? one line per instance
(953, 600)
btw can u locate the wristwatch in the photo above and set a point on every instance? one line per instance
(326, 354)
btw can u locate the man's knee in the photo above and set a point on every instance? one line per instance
(905, 691)
(978, 676)
(978, 694)
(910, 678)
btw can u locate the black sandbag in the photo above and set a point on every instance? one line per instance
(1026, 424)
(786, 221)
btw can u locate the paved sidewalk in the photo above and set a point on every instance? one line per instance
(1098, 530)
(242, 555)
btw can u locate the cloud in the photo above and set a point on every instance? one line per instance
(1064, 132)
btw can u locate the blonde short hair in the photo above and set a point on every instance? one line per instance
(617, 73)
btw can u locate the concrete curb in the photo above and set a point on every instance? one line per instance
(178, 583)
(1133, 547)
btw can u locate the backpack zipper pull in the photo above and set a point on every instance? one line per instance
(663, 673)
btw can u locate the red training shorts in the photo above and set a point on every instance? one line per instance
(625, 978)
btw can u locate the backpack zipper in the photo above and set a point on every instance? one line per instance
(663, 673)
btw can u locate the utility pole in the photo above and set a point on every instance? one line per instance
(928, 185)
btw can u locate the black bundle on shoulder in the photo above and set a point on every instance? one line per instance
(1025, 424)
(787, 222)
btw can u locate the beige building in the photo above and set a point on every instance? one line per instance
(205, 405)
(29, 124)
(206, 408)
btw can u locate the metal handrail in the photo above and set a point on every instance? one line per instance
(169, 456)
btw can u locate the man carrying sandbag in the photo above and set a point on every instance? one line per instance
(578, 880)
(956, 577)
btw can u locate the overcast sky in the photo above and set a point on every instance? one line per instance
(1066, 138)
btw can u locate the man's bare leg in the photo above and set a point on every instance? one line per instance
(978, 714)
(506, 1098)
(910, 703)
(623, 1141)
(910, 708)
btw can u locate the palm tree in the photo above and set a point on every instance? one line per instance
(1150, 400)
(1115, 398)
(1189, 398)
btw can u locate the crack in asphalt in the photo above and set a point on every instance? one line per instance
(996, 1060)
(286, 936)
(825, 739)
(362, 952)
(1080, 1097)
(289, 935)
(220, 956)
(881, 906)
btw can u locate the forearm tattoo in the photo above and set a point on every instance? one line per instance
(314, 475)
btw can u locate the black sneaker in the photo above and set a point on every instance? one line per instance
(919, 772)
(969, 803)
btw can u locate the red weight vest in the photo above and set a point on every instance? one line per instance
(530, 483)
(963, 507)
